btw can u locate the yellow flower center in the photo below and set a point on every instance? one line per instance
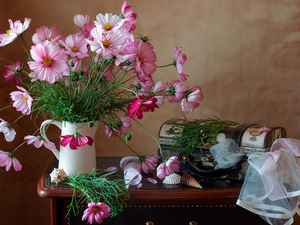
(107, 26)
(8, 31)
(24, 99)
(141, 58)
(95, 210)
(105, 43)
(47, 61)
(75, 49)
(142, 107)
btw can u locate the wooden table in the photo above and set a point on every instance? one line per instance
(156, 203)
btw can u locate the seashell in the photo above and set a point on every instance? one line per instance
(172, 179)
(189, 180)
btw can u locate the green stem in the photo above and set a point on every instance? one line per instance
(24, 141)
(18, 118)
(165, 65)
(153, 138)
(24, 41)
(128, 145)
(6, 107)
(6, 60)
(24, 49)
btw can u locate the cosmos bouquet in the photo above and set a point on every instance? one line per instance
(101, 73)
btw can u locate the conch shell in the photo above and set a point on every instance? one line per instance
(172, 179)
(189, 180)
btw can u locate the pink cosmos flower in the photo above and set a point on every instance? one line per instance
(146, 58)
(128, 15)
(44, 33)
(158, 91)
(108, 23)
(263, 129)
(75, 45)
(175, 91)
(96, 212)
(138, 106)
(168, 168)
(49, 61)
(22, 100)
(86, 30)
(75, 66)
(81, 20)
(121, 57)
(191, 99)
(15, 30)
(179, 60)
(142, 88)
(125, 30)
(13, 73)
(147, 163)
(7, 130)
(110, 131)
(75, 140)
(7, 159)
(124, 123)
(39, 141)
(105, 44)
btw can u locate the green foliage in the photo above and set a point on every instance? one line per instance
(199, 134)
(83, 97)
(107, 188)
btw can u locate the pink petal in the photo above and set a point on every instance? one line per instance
(110, 169)
(150, 179)
(17, 165)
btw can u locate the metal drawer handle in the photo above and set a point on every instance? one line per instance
(192, 223)
(149, 223)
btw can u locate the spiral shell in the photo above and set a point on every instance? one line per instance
(189, 180)
(172, 179)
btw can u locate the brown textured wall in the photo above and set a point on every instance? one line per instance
(243, 54)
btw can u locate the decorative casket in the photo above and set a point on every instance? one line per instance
(200, 161)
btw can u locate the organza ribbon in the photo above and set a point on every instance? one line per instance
(271, 188)
(131, 170)
(227, 153)
(268, 171)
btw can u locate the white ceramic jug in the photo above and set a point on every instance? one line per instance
(81, 160)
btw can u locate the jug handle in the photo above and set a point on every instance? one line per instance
(43, 133)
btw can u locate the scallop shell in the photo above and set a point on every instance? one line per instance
(189, 180)
(172, 179)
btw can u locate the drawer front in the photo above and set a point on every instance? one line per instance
(176, 215)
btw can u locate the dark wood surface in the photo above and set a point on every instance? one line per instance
(177, 204)
(214, 191)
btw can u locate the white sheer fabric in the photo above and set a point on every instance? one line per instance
(272, 185)
(226, 153)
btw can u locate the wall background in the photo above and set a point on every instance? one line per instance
(243, 54)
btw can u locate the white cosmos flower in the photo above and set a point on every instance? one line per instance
(15, 29)
(7, 130)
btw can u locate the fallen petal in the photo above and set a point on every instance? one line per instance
(110, 169)
(150, 179)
